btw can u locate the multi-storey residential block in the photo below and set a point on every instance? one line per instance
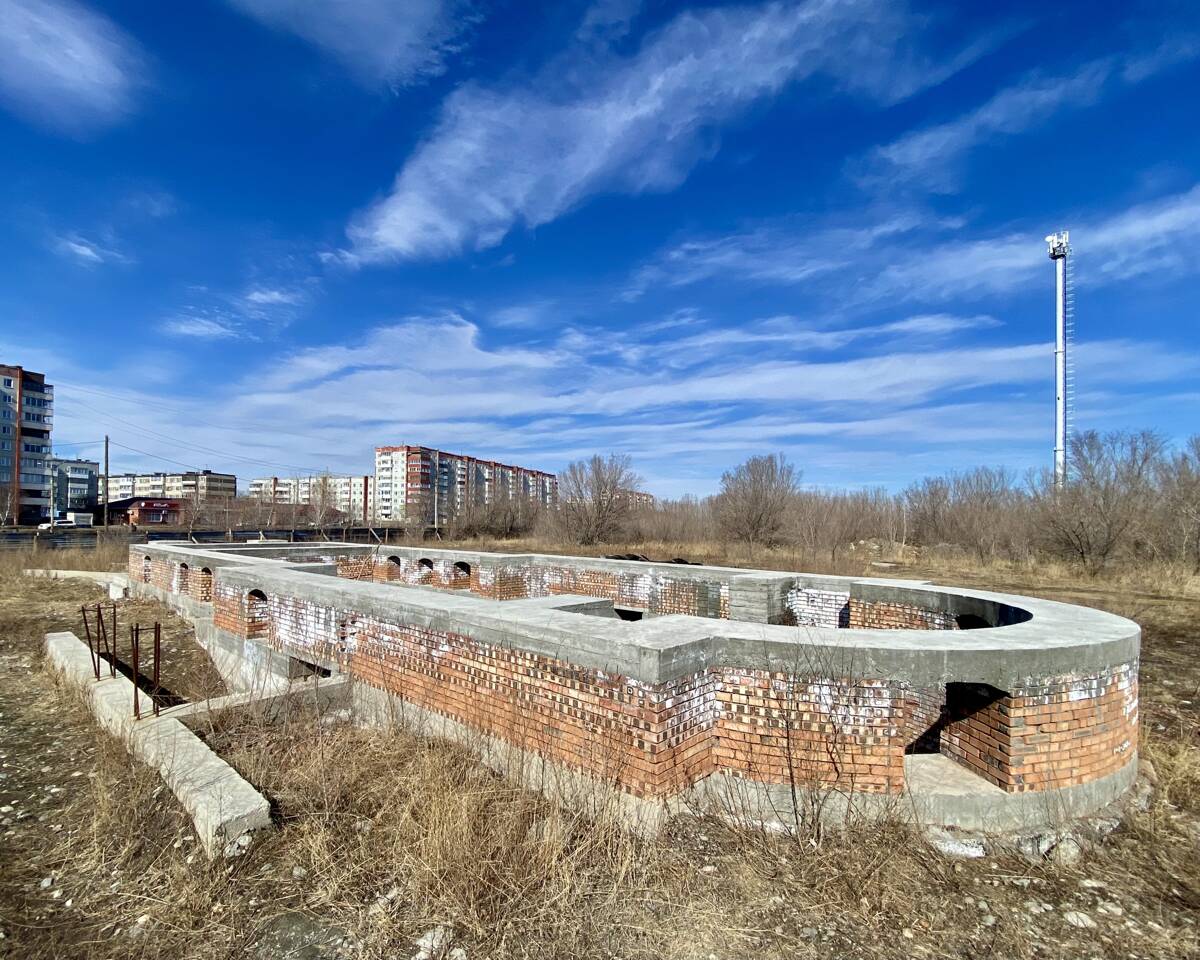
(348, 495)
(195, 486)
(420, 484)
(76, 484)
(26, 419)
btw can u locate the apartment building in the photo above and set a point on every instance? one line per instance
(195, 486)
(422, 484)
(348, 495)
(76, 484)
(26, 419)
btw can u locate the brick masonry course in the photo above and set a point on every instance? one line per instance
(776, 679)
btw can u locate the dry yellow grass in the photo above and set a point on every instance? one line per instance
(384, 836)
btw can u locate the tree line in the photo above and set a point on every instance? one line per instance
(1129, 497)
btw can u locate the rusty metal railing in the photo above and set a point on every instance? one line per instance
(102, 646)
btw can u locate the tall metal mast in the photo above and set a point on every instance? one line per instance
(1059, 248)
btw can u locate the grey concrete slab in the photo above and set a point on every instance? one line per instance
(222, 805)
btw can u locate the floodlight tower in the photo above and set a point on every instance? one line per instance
(1059, 248)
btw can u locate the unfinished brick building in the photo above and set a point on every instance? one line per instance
(665, 683)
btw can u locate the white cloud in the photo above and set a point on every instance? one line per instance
(268, 296)
(903, 259)
(779, 337)
(65, 67)
(933, 324)
(531, 314)
(774, 255)
(201, 327)
(379, 41)
(933, 156)
(88, 252)
(405, 345)
(1159, 237)
(849, 419)
(499, 159)
(608, 20)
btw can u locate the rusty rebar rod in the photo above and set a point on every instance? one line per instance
(111, 653)
(93, 654)
(135, 635)
(157, 658)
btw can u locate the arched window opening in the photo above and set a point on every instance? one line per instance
(146, 569)
(462, 574)
(424, 570)
(204, 586)
(258, 615)
(182, 579)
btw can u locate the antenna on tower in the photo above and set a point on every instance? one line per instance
(1059, 248)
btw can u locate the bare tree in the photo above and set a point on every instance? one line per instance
(927, 504)
(594, 502)
(322, 502)
(1109, 492)
(981, 508)
(1179, 480)
(754, 499)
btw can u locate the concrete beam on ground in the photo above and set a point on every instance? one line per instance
(223, 807)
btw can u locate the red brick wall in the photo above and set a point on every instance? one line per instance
(1057, 734)
(229, 610)
(200, 583)
(356, 568)
(825, 732)
(162, 573)
(885, 615)
(652, 740)
(654, 593)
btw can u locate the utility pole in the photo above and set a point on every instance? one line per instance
(106, 497)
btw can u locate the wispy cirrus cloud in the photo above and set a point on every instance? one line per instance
(378, 41)
(66, 67)
(1160, 236)
(273, 296)
(501, 158)
(850, 419)
(91, 253)
(907, 259)
(254, 313)
(780, 254)
(933, 156)
(201, 327)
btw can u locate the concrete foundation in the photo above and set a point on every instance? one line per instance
(739, 690)
(223, 807)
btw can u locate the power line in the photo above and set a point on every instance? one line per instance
(139, 428)
(155, 456)
(229, 426)
(76, 443)
(209, 450)
(289, 467)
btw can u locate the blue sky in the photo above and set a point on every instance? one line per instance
(267, 235)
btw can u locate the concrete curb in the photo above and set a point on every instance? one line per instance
(222, 805)
(117, 583)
